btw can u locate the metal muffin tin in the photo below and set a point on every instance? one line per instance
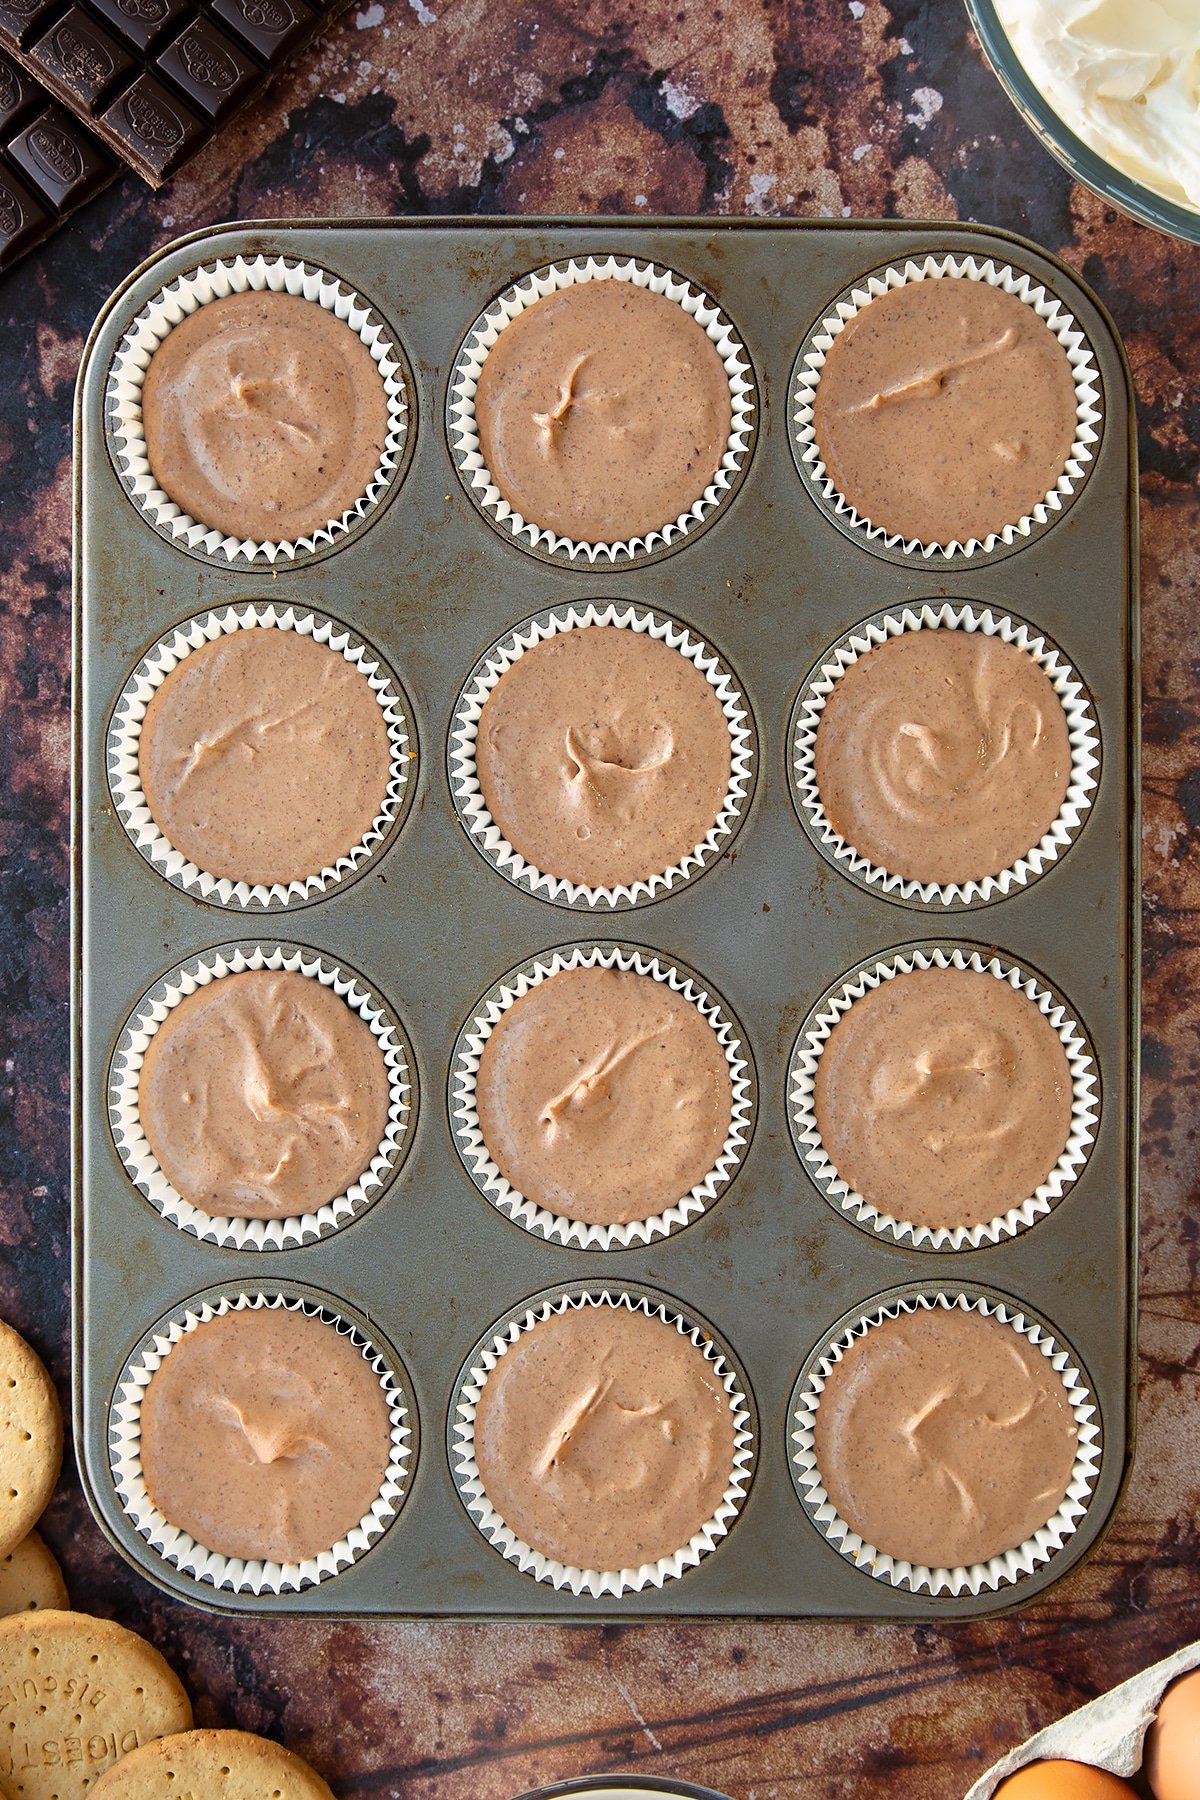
(769, 584)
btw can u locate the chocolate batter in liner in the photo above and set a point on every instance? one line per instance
(464, 1404)
(464, 777)
(1011, 280)
(814, 1034)
(1082, 733)
(142, 1166)
(124, 739)
(463, 426)
(241, 275)
(1005, 1569)
(468, 1134)
(177, 1547)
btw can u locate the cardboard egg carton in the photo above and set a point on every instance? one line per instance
(1109, 1733)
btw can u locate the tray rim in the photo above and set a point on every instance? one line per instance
(601, 224)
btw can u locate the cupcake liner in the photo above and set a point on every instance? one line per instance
(216, 281)
(464, 778)
(463, 433)
(1088, 402)
(1002, 1570)
(461, 1436)
(1082, 732)
(809, 1048)
(142, 1166)
(176, 1546)
(464, 1118)
(124, 738)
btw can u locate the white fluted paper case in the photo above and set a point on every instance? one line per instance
(142, 1165)
(1108, 1733)
(1085, 1100)
(216, 281)
(1086, 377)
(124, 742)
(1012, 1565)
(463, 426)
(464, 776)
(557, 1227)
(596, 1582)
(177, 1547)
(1082, 734)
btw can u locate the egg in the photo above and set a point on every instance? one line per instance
(1172, 1762)
(1064, 1781)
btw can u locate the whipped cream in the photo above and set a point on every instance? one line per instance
(1124, 75)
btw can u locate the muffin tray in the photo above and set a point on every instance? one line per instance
(770, 580)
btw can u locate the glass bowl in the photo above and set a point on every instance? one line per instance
(1075, 156)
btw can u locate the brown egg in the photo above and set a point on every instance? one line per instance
(1172, 1762)
(1064, 1781)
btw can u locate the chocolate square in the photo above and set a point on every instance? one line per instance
(139, 23)
(85, 58)
(23, 218)
(21, 20)
(156, 130)
(64, 163)
(19, 94)
(272, 29)
(209, 70)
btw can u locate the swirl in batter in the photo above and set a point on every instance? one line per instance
(604, 1438)
(263, 1095)
(603, 411)
(603, 755)
(943, 756)
(603, 1095)
(265, 416)
(945, 410)
(945, 1437)
(265, 1434)
(264, 757)
(943, 1097)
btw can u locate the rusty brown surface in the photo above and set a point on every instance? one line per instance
(828, 107)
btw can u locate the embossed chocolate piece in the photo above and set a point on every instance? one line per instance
(209, 69)
(67, 165)
(83, 59)
(155, 130)
(140, 23)
(19, 94)
(271, 28)
(23, 220)
(20, 20)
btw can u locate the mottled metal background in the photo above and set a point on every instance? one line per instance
(832, 107)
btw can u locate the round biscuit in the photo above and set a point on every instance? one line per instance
(31, 1438)
(31, 1580)
(212, 1765)
(77, 1694)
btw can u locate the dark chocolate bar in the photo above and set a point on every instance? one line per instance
(49, 163)
(145, 83)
